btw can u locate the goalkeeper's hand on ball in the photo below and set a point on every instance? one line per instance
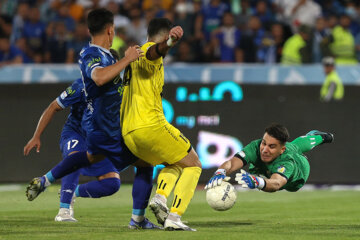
(217, 178)
(247, 180)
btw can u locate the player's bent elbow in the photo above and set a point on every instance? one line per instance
(98, 78)
(98, 81)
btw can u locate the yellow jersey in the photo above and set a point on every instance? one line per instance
(142, 101)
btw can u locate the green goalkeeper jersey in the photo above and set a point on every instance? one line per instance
(292, 164)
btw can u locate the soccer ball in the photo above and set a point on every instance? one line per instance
(221, 198)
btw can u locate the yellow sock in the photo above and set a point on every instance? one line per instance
(185, 188)
(167, 179)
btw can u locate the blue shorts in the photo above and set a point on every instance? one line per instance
(72, 141)
(113, 148)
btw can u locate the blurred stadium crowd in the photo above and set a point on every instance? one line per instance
(250, 31)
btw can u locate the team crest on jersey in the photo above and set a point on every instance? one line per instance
(70, 91)
(281, 169)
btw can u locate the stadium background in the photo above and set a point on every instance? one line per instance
(219, 107)
(217, 124)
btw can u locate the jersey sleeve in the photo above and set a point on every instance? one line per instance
(285, 169)
(71, 95)
(249, 153)
(92, 60)
(145, 48)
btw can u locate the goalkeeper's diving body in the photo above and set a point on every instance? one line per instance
(274, 163)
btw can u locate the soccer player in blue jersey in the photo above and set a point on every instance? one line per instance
(103, 91)
(73, 140)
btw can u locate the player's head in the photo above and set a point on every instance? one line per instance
(273, 142)
(101, 22)
(159, 29)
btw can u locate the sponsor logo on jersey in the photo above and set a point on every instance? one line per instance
(93, 61)
(63, 95)
(281, 169)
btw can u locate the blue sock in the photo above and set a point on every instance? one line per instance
(98, 189)
(142, 189)
(68, 185)
(68, 165)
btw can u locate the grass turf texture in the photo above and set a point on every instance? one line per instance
(256, 215)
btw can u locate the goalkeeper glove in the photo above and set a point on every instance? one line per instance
(217, 179)
(247, 180)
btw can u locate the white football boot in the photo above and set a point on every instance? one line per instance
(158, 207)
(174, 223)
(64, 216)
(72, 206)
(71, 203)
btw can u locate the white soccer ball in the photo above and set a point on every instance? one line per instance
(221, 198)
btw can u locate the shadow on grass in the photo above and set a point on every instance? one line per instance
(28, 225)
(335, 226)
(221, 224)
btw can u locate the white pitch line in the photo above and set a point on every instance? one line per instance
(10, 187)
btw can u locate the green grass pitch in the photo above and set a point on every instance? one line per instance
(256, 215)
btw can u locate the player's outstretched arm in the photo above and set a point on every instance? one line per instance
(160, 49)
(273, 184)
(226, 168)
(44, 120)
(104, 75)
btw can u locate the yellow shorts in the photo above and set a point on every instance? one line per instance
(158, 144)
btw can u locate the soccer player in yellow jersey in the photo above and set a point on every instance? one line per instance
(147, 133)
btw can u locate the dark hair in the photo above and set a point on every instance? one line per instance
(157, 25)
(98, 19)
(278, 131)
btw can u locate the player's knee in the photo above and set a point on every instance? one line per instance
(191, 160)
(197, 163)
(110, 186)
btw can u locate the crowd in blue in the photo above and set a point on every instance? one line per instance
(250, 31)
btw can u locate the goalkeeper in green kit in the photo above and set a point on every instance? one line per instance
(274, 163)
